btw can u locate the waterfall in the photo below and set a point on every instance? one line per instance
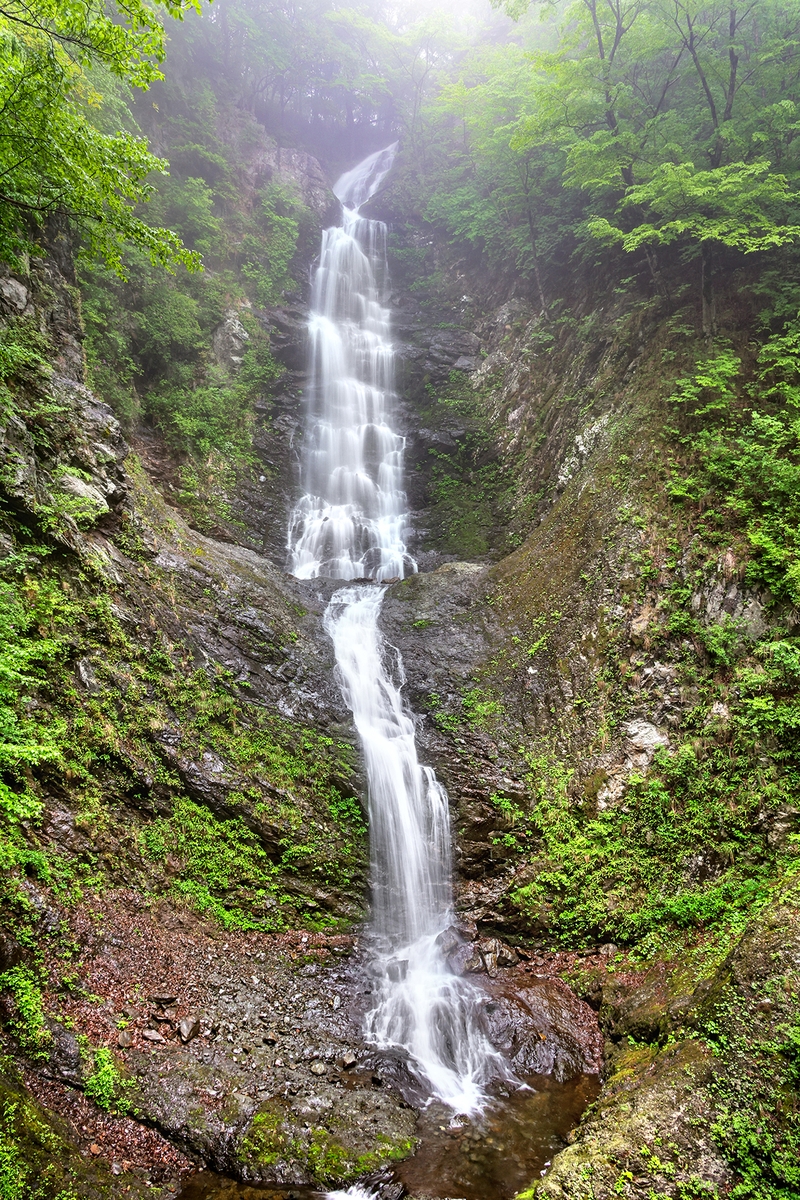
(350, 525)
(350, 522)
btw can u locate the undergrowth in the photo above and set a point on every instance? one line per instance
(688, 847)
(288, 811)
(739, 468)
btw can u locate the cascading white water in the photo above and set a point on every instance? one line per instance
(350, 525)
(421, 1006)
(350, 522)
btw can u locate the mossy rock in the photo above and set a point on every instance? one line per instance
(38, 1156)
(333, 1145)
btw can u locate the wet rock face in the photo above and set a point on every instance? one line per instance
(265, 500)
(425, 355)
(233, 613)
(542, 1028)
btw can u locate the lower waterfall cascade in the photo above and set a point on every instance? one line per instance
(350, 525)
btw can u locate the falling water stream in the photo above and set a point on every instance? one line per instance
(350, 525)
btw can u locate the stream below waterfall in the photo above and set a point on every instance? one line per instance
(489, 1159)
(485, 1130)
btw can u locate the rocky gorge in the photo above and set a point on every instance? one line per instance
(182, 955)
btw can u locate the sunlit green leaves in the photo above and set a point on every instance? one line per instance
(741, 206)
(54, 160)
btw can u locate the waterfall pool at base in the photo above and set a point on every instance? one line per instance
(487, 1159)
(503, 1152)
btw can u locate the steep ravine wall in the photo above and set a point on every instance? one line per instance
(193, 848)
(612, 794)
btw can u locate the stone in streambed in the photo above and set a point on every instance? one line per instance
(544, 1029)
(163, 999)
(468, 959)
(188, 1028)
(449, 941)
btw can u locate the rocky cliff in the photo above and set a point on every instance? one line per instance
(185, 849)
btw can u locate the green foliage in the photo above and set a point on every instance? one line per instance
(737, 205)
(214, 855)
(743, 440)
(290, 810)
(23, 741)
(266, 1141)
(669, 132)
(149, 339)
(28, 1022)
(12, 1169)
(270, 250)
(54, 159)
(630, 872)
(756, 1091)
(36, 1163)
(479, 706)
(502, 199)
(103, 1083)
(476, 708)
(22, 353)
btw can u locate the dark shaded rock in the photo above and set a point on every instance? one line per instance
(64, 1055)
(11, 953)
(543, 1028)
(163, 999)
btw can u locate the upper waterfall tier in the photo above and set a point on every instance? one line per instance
(351, 521)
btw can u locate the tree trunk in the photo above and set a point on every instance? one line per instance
(536, 274)
(707, 290)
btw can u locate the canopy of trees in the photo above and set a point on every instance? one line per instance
(55, 157)
(648, 145)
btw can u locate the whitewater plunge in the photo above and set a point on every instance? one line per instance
(350, 525)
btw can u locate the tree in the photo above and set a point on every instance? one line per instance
(678, 121)
(54, 160)
(741, 206)
(503, 197)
